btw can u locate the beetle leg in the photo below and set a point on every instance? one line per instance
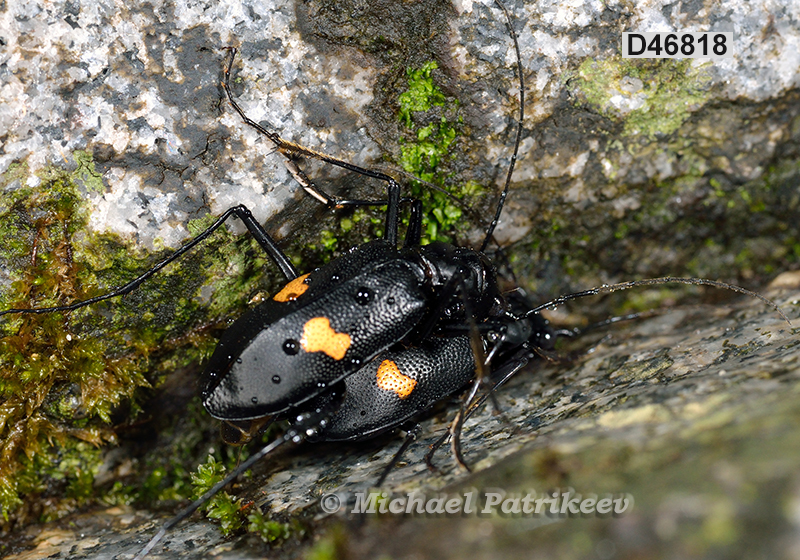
(311, 188)
(305, 424)
(456, 283)
(241, 212)
(414, 231)
(202, 500)
(458, 423)
(503, 374)
(260, 235)
(292, 151)
(411, 437)
(433, 449)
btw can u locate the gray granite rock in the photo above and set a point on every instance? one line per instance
(137, 86)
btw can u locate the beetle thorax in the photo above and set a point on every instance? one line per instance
(463, 270)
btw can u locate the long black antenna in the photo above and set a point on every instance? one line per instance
(608, 288)
(240, 211)
(504, 194)
(210, 493)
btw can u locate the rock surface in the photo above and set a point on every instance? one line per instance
(138, 87)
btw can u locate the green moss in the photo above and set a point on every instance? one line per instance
(222, 507)
(324, 549)
(50, 372)
(269, 531)
(427, 149)
(233, 514)
(165, 474)
(86, 174)
(750, 238)
(66, 378)
(331, 546)
(670, 91)
(430, 126)
(328, 240)
(422, 93)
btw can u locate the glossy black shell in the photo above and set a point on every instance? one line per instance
(438, 367)
(372, 294)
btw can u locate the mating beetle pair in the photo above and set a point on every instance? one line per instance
(368, 341)
(376, 336)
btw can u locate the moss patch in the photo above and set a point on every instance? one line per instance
(432, 123)
(234, 514)
(650, 97)
(69, 380)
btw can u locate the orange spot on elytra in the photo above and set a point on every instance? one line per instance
(318, 336)
(390, 379)
(292, 290)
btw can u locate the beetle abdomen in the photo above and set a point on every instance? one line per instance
(397, 385)
(268, 359)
